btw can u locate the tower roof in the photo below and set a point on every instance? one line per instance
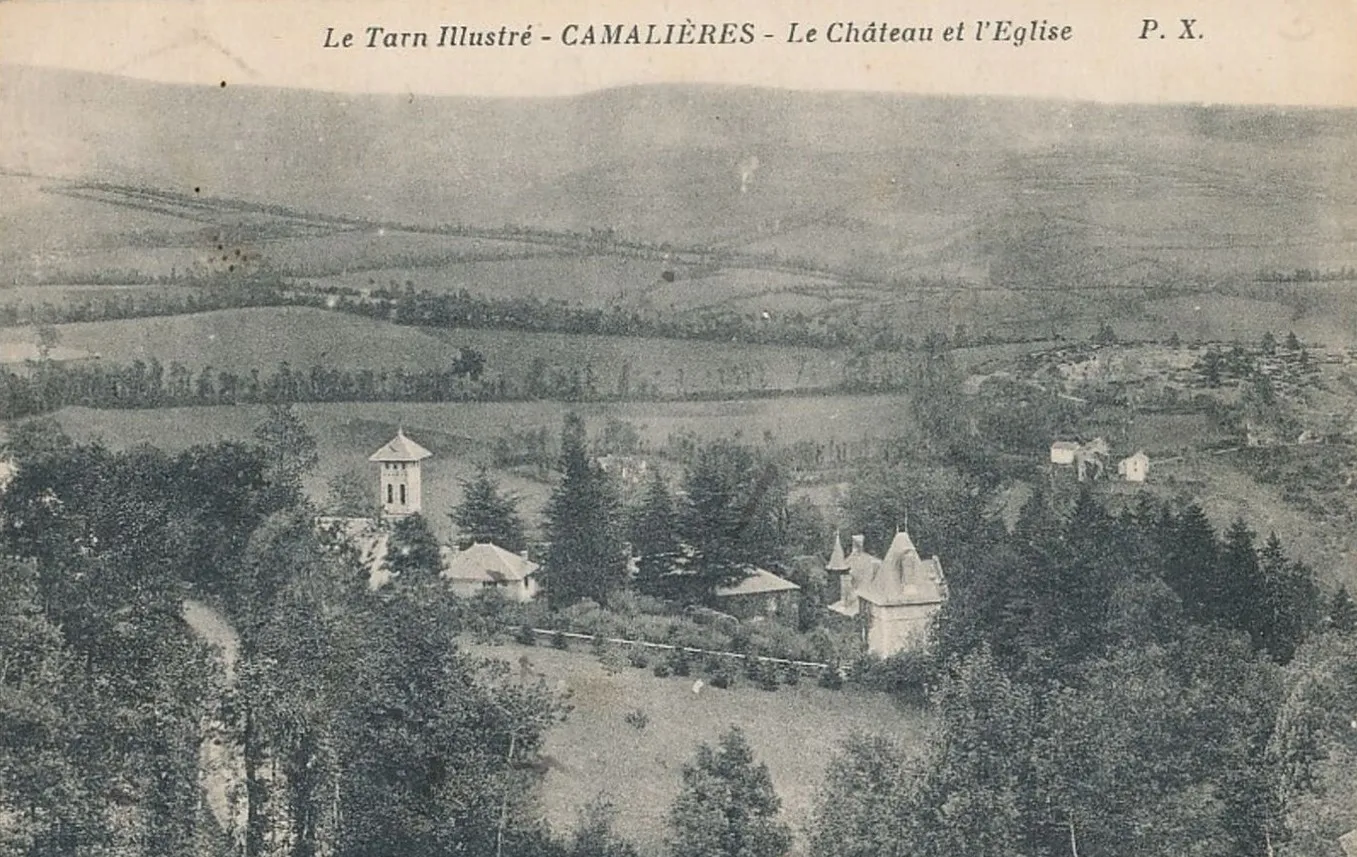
(400, 448)
(903, 577)
(837, 561)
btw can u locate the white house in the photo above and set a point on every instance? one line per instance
(1135, 468)
(485, 566)
(1064, 451)
(894, 597)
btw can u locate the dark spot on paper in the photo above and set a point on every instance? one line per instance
(223, 84)
(667, 276)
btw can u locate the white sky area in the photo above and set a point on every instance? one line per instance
(1281, 52)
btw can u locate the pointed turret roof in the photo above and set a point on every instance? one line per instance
(400, 448)
(837, 561)
(903, 577)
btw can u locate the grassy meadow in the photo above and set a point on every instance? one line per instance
(461, 435)
(239, 340)
(794, 730)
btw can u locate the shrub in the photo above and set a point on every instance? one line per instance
(753, 668)
(680, 662)
(791, 675)
(560, 641)
(831, 678)
(638, 657)
(724, 678)
(768, 676)
(613, 660)
(904, 674)
(525, 636)
(662, 670)
(637, 719)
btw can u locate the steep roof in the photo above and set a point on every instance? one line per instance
(837, 561)
(758, 582)
(400, 448)
(485, 562)
(1067, 445)
(903, 577)
(860, 563)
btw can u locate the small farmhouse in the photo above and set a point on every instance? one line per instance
(760, 593)
(1063, 452)
(488, 567)
(894, 598)
(1134, 468)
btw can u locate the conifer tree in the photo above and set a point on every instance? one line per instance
(653, 536)
(727, 806)
(1342, 613)
(488, 515)
(585, 558)
(413, 551)
(1190, 561)
(734, 514)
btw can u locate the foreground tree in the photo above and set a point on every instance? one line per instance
(439, 750)
(1313, 747)
(870, 802)
(727, 806)
(413, 551)
(291, 451)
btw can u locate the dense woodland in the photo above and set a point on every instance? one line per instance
(1119, 684)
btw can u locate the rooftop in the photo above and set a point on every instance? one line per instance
(400, 448)
(758, 582)
(903, 577)
(485, 562)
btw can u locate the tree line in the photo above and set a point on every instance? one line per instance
(1114, 684)
(361, 726)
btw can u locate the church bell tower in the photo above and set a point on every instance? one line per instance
(400, 484)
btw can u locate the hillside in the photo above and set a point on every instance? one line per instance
(989, 190)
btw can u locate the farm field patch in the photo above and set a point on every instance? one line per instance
(794, 730)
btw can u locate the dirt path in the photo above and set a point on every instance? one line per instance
(221, 766)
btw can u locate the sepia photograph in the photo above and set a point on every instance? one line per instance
(617, 430)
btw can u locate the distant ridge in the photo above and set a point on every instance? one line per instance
(1004, 188)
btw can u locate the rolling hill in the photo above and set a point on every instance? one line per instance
(1006, 192)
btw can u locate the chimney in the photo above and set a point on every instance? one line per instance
(858, 543)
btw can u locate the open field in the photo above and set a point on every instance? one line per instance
(794, 730)
(461, 435)
(260, 338)
(244, 339)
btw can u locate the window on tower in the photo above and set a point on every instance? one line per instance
(402, 495)
(390, 489)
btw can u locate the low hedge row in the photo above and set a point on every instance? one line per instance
(906, 675)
